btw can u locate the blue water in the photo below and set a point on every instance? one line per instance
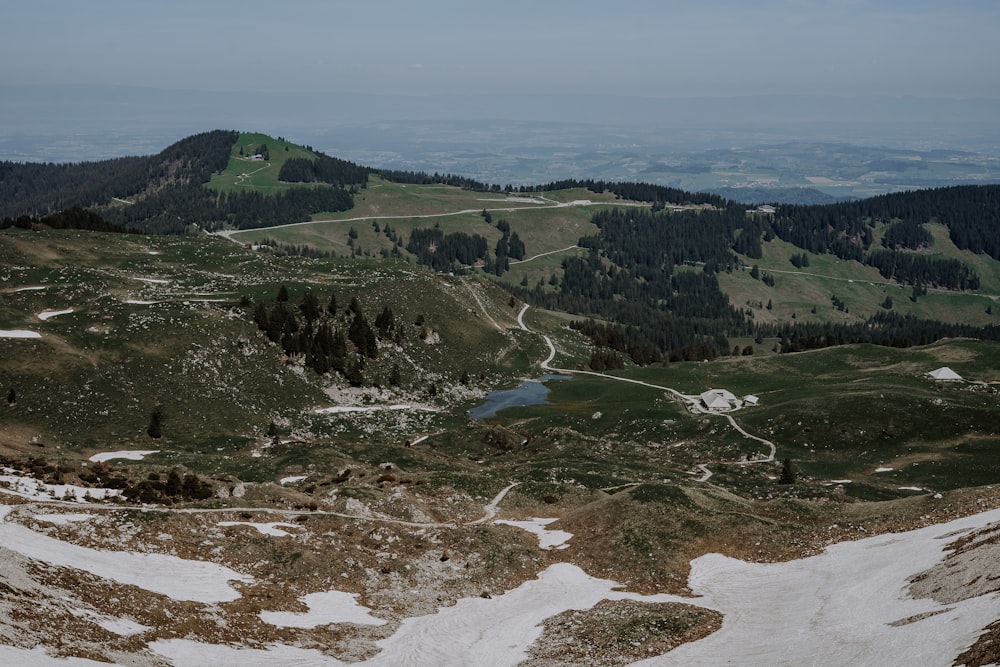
(529, 392)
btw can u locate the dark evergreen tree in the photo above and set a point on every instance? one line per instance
(155, 428)
(787, 474)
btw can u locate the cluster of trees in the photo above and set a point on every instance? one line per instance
(510, 246)
(155, 489)
(423, 178)
(906, 234)
(446, 252)
(913, 269)
(324, 169)
(72, 218)
(174, 209)
(883, 328)
(634, 191)
(970, 212)
(328, 339)
(38, 189)
(799, 260)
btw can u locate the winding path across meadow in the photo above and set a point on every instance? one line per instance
(693, 402)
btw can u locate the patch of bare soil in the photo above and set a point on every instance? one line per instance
(620, 632)
(968, 571)
(985, 650)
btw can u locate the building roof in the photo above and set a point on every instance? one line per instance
(719, 399)
(944, 373)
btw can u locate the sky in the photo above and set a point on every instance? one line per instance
(654, 48)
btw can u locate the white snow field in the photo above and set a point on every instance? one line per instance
(475, 631)
(177, 578)
(324, 608)
(547, 539)
(47, 314)
(273, 528)
(130, 454)
(29, 487)
(19, 333)
(846, 606)
(343, 409)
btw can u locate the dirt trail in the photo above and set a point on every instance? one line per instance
(693, 402)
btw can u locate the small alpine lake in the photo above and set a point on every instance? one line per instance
(529, 392)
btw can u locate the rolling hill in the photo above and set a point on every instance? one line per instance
(277, 419)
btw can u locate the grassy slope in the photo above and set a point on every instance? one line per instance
(543, 230)
(96, 374)
(860, 287)
(243, 173)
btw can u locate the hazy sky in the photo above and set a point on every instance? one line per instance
(659, 48)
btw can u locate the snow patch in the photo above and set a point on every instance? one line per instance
(292, 479)
(130, 454)
(37, 657)
(63, 519)
(189, 653)
(844, 604)
(340, 409)
(27, 289)
(547, 539)
(46, 314)
(29, 487)
(176, 578)
(19, 333)
(324, 608)
(264, 528)
(884, 469)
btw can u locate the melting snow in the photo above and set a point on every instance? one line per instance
(130, 454)
(264, 528)
(547, 539)
(19, 333)
(63, 519)
(37, 657)
(884, 469)
(177, 578)
(28, 487)
(27, 289)
(292, 479)
(46, 314)
(324, 608)
(847, 606)
(368, 408)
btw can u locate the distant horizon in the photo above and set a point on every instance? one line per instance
(444, 47)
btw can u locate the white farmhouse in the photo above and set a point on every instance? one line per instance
(719, 399)
(945, 374)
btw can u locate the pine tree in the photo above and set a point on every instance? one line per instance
(310, 306)
(155, 428)
(11, 397)
(385, 322)
(787, 474)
